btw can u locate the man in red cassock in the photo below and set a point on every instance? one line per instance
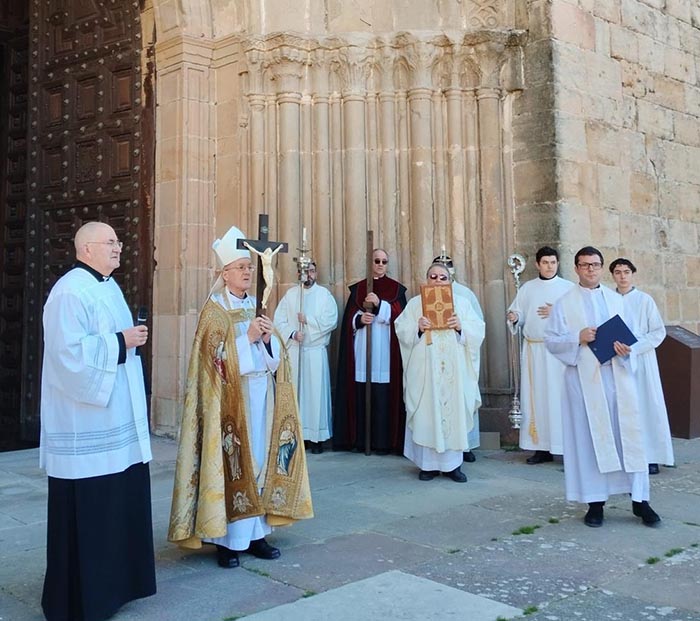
(388, 415)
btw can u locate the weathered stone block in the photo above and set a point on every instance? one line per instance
(651, 53)
(605, 144)
(624, 44)
(679, 9)
(674, 269)
(571, 137)
(690, 302)
(643, 194)
(654, 120)
(635, 231)
(572, 25)
(534, 182)
(602, 37)
(680, 65)
(692, 268)
(644, 19)
(605, 229)
(686, 130)
(613, 188)
(608, 10)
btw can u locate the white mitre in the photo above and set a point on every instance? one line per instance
(226, 252)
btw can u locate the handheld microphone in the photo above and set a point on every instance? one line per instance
(141, 319)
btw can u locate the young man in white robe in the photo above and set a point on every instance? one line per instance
(604, 452)
(541, 374)
(441, 383)
(95, 443)
(465, 292)
(645, 321)
(307, 323)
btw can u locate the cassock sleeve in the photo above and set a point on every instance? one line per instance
(516, 308)
(323, 320)
(282, 318)
(83, 363)
(651, 329)
(559, 340)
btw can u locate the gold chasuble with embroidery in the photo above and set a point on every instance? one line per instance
(216, 481)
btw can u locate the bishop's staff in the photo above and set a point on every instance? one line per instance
(368, 343)
(516, 263)
(303, 264)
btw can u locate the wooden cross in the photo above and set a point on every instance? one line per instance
(261, 244)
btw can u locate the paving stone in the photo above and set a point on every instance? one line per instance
(392, 595)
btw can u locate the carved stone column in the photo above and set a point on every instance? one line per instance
(352, 64)
(184, 219)
(287, 67)
(490, 56)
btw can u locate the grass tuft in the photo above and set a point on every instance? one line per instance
(652, 560)
(526, 530)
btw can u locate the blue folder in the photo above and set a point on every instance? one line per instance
(614, 329)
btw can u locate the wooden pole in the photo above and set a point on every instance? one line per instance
(368, 342)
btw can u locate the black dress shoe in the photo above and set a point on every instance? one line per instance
(469, 457)
(456, 475)
(427, 475)
(539, 457)
(261, 549)
(653, 468)
(316, 448)
(644, 511)
(594, 515)
(226, 558)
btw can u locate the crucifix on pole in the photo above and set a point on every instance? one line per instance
(266, 250)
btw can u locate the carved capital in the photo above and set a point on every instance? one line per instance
(287, 66)
(422, 58)
(353, 65)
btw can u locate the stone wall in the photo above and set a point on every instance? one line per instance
(627, 125)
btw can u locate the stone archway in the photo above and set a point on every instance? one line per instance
(319, 125)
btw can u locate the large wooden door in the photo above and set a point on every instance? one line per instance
(14, 27)
(87, 156)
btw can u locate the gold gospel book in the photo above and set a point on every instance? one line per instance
(437, 305)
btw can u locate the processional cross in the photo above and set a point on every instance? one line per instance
(265, 250)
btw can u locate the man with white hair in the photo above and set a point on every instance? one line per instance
(95, 444)
(239, 470)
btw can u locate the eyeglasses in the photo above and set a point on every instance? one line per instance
(440, 277)
(381, 261)
(241, 268)
(589, 266)
(112, 243)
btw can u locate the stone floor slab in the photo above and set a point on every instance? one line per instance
(394, 596)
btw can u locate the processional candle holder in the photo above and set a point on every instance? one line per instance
(516, 263)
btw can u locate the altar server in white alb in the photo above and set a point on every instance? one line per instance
(307, 322)
(465, 292)
(645, 321)
(542, 375)
(441, 383)
(95, 444)
(604, 449)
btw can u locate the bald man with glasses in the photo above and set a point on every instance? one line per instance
(386, 301)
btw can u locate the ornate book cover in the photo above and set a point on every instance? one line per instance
(437, 304)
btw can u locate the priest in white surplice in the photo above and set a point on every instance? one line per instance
(542, 375)
(465, 292)
(311, 330)
(604, 451)
(441, 383)
(95, 444)
(645, 322)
